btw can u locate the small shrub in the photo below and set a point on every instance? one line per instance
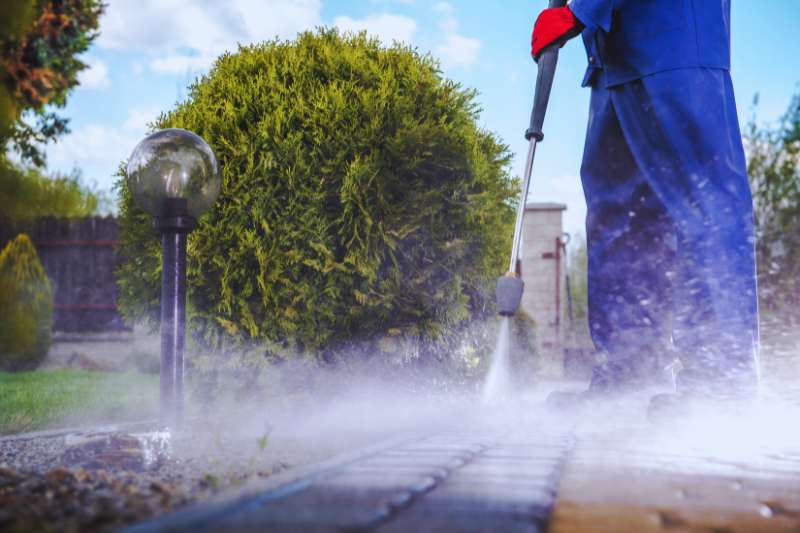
(26, 306)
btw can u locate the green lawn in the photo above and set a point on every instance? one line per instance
(46, 399)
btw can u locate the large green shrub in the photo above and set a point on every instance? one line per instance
(26, 306)
(360, 200)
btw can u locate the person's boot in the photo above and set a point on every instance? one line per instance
(669, 408)
(700, 394)
(677, 409)
(568, 402)
(605, 385)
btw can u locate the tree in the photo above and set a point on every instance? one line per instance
(39, 44)
(360, 201)
(28, 193)
(15, 17)
(40, 41)
(774, 170)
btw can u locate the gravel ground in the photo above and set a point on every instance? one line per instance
(101, 481)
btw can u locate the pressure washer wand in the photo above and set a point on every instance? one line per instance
(510, 286)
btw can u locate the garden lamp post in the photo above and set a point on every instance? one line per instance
(173, 175)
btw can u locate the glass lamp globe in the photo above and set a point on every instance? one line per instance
(173, 163)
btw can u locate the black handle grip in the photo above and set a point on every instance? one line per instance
(548, 60)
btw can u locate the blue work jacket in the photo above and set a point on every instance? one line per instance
(631, 39)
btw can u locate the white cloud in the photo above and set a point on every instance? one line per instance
(139, 118)
(459, 51)
(181, 63)
(565, 189)
(95, 76)
(448, 14)
(97, 149)
(385, 26)
(186, 35)
(456, 50)
(137, 67)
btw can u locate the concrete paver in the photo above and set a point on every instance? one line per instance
(424, 520)
(637, 485)
(458, 482)
(450, 482)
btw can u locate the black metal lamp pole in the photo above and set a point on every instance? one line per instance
(175, 225)
(174, 176)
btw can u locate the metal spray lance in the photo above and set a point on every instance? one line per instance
(510, 286)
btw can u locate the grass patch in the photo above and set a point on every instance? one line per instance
(46, 399)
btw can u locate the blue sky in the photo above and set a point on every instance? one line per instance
(150, 50)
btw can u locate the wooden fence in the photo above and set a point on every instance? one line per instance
(79, 258)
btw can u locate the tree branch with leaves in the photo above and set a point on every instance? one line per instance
(40, 42)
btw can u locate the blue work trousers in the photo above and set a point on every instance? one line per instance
(670, 233)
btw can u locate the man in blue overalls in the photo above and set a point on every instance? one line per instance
(669, 223)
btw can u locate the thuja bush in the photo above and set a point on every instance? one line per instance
(360, 202)
(26, 306)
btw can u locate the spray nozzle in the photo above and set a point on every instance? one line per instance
(509, 294)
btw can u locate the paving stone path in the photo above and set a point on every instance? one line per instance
(641, 486)
(630, 480)
(447, 482)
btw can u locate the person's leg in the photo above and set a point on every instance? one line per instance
(630, 251)
(682, 129)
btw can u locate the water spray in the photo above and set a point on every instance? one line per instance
(510, 286)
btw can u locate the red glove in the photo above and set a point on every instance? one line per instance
(554, 25)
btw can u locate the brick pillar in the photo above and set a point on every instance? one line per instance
(542, 265)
